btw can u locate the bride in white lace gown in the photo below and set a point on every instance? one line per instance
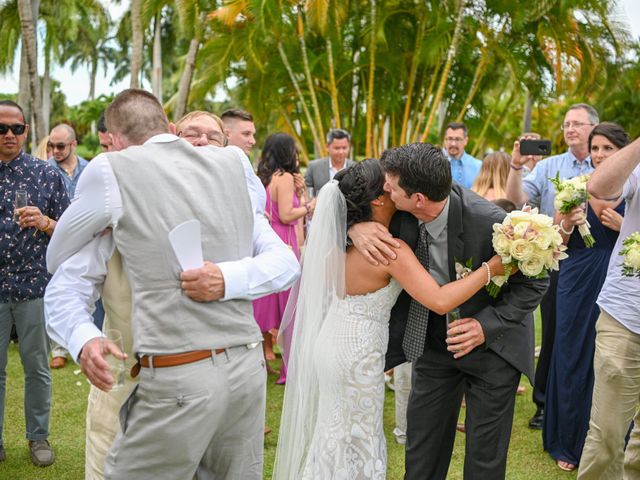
(336, 333)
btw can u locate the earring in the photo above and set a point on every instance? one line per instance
(382, 204)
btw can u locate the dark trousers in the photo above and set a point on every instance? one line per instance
(548, 315)
(489, 384)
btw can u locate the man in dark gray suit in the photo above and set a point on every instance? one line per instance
(482, 355)
(322, 170)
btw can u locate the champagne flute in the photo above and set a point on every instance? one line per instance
(116, 366)
(19, 202)
(452, 316)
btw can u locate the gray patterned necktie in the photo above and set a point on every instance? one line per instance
(416, 330)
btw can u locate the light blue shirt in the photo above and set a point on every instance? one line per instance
(539, 188)
(620, 296)
(465, 169)
(70, 182)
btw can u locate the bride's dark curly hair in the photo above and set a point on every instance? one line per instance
(361, 184)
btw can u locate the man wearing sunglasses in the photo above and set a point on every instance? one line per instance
(24, 237)
(63, 144)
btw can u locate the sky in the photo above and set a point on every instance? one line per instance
(75, 86)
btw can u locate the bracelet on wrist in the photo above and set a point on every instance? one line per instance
(515, 167)
(485, 264)
(562, 229)
(46, 227)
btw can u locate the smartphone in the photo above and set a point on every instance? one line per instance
(535, 147)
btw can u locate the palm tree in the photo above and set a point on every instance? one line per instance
(137, 42)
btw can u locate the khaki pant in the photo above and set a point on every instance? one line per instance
(203, 419)
(616, 393)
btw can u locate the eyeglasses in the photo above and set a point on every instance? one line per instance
(568, 125)
(57, 146)
(453, 139)
(213, 138)
(16, 128)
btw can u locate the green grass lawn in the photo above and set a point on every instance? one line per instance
(526, 458)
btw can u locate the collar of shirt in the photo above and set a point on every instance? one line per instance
(577, 162)
(453, 159)
(436, 226)
(16, 163)
(162, 138)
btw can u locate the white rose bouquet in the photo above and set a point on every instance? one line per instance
(528, 241)
(631, 255)
(572, 193)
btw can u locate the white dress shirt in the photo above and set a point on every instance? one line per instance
(81, 247)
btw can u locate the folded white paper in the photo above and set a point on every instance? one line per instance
(187, 244)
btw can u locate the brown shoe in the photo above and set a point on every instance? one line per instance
(460, 427)
(41, 453)
(58, 362)
(267, 430)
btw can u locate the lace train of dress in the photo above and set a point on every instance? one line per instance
(348, 441)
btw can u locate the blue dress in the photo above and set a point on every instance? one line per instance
(570, 381)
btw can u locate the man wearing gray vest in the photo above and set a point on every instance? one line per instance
(199, 406)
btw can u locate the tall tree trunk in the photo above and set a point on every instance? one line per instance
(285, 60)
(425, 103)
(332, 87)
(137, 42)
(369, 140)
(412, 78)
(185, 79)
(92, 78)
(27, 27)
(310, 86)
(156, 72)
(24, 94)
(475, 84)
(46, 92)
(528, 108)
(451, 54)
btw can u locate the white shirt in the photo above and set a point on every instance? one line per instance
(80, 248)
(620, 295)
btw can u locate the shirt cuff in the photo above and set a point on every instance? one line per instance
(81, 335)
(236, 279)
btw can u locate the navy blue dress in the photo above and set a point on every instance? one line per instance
(570, 381)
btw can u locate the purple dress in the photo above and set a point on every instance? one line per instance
(268, 310)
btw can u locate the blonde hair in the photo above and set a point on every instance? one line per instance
(41, 151)
(493, 175)
(196, 114)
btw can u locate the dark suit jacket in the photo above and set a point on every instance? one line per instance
(317, 173)
(507, 321)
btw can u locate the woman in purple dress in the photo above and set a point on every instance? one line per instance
(286, 207)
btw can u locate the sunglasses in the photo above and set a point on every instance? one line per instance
(57, 146)
(16, 128)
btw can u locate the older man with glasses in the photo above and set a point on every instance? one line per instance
(24, 237)
(201, 128)
(537, 189)
(464, 167)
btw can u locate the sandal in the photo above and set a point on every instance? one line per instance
(565, 466)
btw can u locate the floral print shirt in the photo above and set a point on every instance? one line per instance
(23, 270)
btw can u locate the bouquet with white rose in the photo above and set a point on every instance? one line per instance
(528, 241)
(572, 193)
(631, 254)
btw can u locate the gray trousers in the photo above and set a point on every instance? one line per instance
(28, 318)
(203, 419)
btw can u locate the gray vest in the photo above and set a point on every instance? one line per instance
(163, 185)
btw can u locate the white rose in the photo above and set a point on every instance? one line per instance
(518, 216)
(521, 249)
(543, 241)
(501, 244)
(541, 220)
(532, 266)
(632, 258)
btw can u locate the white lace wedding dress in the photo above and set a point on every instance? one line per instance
(348, 440)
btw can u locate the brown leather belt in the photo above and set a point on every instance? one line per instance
(163, 361)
